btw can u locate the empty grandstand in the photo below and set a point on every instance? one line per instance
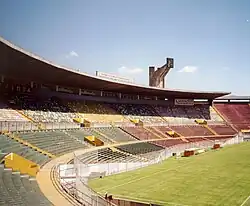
(94, 125)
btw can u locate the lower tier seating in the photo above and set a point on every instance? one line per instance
(140, 133)
(19, 190)
(140, 148)
(81, 133)
(54, 142)
(223, 129)
(8, 145)
(195, 139)
(116, 134)
(191, 130)
(169, 142)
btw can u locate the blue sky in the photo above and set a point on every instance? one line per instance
(210, 40)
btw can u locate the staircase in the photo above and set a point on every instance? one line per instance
(39, 125)
(159, 131)
(103, 135)
(216, 110)
(152, 132)
(210, 129)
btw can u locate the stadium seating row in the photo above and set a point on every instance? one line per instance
(19, 190)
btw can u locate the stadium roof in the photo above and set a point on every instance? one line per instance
(20, 64)
(234, 97)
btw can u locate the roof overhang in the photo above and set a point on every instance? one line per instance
(233, 97)
(18, 63)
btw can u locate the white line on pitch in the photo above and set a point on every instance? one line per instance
(245, 201)
(139, 179)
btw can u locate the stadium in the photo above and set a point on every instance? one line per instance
(69, 138)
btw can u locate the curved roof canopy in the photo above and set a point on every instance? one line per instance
(18, 63)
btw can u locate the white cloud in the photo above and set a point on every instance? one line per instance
(189, 69)
(126, 70)
(72, 54)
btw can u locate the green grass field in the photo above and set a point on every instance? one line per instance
(219, 177)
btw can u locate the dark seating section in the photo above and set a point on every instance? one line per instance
(20, 190)
(183, 114)
(8, 145)
(107, 155)
(144, 113)
(140, 148)
(54, 142)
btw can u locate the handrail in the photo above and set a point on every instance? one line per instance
(75, 197)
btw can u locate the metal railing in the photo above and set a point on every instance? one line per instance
(18, 126)
(74, 178)
(86, 196)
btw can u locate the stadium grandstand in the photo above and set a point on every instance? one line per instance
(60, 128)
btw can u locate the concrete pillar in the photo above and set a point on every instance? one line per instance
(151, 75)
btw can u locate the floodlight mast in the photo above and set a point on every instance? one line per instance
(157, 77)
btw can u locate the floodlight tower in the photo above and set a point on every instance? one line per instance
(157, 77)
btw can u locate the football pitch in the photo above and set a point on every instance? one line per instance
(220, 177)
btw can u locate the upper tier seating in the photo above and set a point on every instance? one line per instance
(187, 114)
(49, 110)
(8, 145)
(20, 190)
(42, 116)
(237, 114)
(145, 113)
(191, 130)
(96, 112)
(55, 142)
